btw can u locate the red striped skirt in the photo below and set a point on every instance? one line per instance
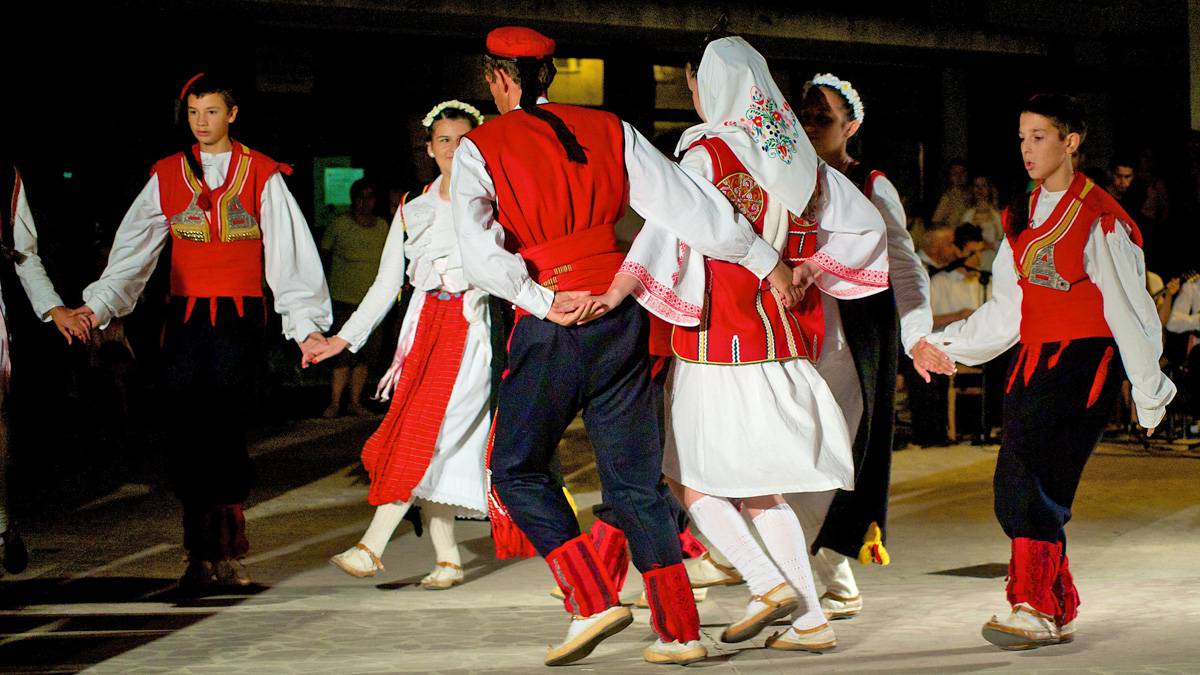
(398, 454)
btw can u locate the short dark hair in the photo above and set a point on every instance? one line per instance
(1065, 112)
(358, 187)
(967, 233)
(1121, 161)
(545, 71)
(210, 84)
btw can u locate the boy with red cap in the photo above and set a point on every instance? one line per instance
(232, 222)
(535, 194)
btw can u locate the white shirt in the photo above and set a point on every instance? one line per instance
(1116, 265)
(660, 191)
(1185, 312)
(31, 272)
(291, 263)
(421, 239)
(952, 292)
(906, 270)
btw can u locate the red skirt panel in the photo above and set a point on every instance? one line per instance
(397, 455)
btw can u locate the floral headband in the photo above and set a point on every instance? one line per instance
(457, 105)
(842, 87)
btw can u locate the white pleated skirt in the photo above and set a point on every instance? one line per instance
(755, 429)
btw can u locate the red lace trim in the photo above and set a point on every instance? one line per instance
(658, 298)
(860, 276)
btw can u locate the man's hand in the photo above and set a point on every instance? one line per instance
(308, 348)
(73, 323)
(929, 359)
(780, 279)
(568, 301)
(568, 318)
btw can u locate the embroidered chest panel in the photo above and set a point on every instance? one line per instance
(1034, 250)
(746, 195)
(232, 221)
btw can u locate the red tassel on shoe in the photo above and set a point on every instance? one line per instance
(509, 540)
(690, 545)
(613, 548)
(586, 586)
(1066, 594)
(1033, 570)
(672, 607)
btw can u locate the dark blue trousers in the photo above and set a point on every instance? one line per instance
(1051, 425)
(603, 369)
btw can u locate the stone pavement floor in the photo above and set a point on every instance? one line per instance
(100, 594)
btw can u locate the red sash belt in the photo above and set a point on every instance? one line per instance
(586, 260)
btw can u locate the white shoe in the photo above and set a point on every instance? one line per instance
(444, 575)
(761, 611)
(1066, 632)
(359, 561)
(704, 572)
(1023, 628)
(557, 593)
(816, 639)
(838, 607)
(679, 653)
(585, 633)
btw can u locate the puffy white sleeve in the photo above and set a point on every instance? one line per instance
(291, 263)
(384, 290)
(1115, 264)
(30, 271)
(851, 240)
(486, 263)
(1185, 311)
(684, 202)
(906, 272)
(995, 326)
(135, 249)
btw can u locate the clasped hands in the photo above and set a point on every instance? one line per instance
(74, 324)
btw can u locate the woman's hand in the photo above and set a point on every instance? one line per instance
(72, 323)
(780, 279)
(314, 350)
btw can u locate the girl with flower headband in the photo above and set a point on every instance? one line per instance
(431, 443)
(859, 360)
(748, 416)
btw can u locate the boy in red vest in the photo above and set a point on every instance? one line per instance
(231, 221)
(536, 192)
(1069, 286)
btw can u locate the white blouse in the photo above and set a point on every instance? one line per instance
(31, 272)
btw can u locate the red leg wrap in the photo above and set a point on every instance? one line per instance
(613, 548)
(580, 574)
(1032, 572)
(690, 545)
(672, 608)
(1066, 594)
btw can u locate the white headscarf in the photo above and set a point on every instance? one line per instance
(744, 107)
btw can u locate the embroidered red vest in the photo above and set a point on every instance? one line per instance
(558, 214)
(1058, 300)
(217, 253)
(742, 321)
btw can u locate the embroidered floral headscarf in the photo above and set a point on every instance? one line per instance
(745, 108)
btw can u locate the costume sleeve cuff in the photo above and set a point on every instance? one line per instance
(535, 299)
(761, 259)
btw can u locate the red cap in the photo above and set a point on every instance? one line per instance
(515, 42)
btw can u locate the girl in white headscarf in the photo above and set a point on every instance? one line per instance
(748, 417)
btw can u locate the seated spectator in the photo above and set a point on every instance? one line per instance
(957, 291)
(985, 212)
(955, 199)
(937, 249)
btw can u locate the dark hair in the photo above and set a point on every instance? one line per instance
(540, 71)
(1121, 161)
(360, 186)
(967, 233)
(452, 114)
(1065, 112)
(200, 85)
(809, 88)
(719, 30)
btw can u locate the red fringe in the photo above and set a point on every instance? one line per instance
(690, 545)
(1101, 376)
(673, 613)
(509, 540)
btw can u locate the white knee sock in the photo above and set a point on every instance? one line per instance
(784, 538)
(728, 532)
(836, 573)
(441, 531)
(387, 519)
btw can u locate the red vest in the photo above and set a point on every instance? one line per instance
(1058, 300)
(218, 252)
(557, 214)
(742, 321)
